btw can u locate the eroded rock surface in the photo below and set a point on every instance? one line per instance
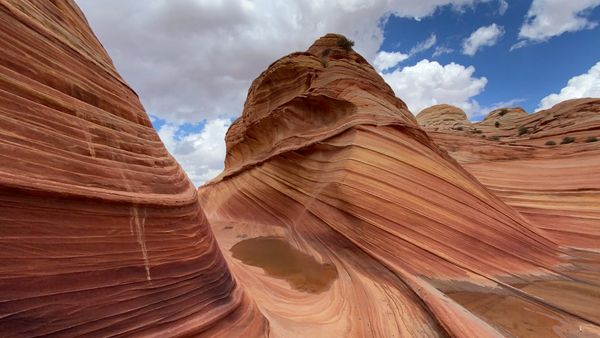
(327, 158)
(101, 232)
(545, 165)
(443, 117)
(390, 230)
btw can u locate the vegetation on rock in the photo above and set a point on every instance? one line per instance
(345, 43)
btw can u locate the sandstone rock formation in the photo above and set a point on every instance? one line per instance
(337, 215)
(101, 232)
(443, 116)
(326, 159)
(504, 115)
(529, 165)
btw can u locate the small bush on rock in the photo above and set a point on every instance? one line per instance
(591, 139)
(345, 43)
(550, 143)
(567, 140)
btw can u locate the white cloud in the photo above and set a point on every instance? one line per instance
(424, 45)
(548, 18)
(502, 7)
(193, 60)
(386, 60)
(428, 83)
(440, 50)
(483, 36)
(584, 85)
(519, 44)
(201, 154)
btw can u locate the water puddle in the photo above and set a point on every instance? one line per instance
(521, 317)
(579, 298)
(280, 259)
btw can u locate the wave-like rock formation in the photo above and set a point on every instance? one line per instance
(327, 168)
(443, 116)
(101, 232)
(505, 114)
(544, 165)
(337, 215)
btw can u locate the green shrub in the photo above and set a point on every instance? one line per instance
(591, 139)
(550, 143)
(522, 130)
(503, 112)
(497, 124)
(494, 138)
(567, 140)
(325, 52)
(345, 43)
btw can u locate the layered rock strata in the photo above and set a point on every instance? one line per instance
(543, 164)
(326, 158)
(101, 232)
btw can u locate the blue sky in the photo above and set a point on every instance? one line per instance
(522, 76)
(192, 61)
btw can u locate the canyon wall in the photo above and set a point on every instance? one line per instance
(101, 232)
(338, 212)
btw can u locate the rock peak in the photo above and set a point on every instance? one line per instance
(506, 113)
(332, 46)
(305, 97)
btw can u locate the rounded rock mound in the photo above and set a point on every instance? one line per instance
(443, 117)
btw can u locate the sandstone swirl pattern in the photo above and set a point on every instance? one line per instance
(326, 157)
(101, 233)
(407, 231)
(527, 163)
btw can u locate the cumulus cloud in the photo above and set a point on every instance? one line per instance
(428, 83)
(386, 60)
(584, 85)
(548, 18)
(201, 154)
(194, 60)
(483, 36)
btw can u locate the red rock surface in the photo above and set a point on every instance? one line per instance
(443, 116)
(417, 233)
(556, 187)
(101, 232)
(327, 158)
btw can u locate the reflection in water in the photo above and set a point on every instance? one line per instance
(281, 260)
